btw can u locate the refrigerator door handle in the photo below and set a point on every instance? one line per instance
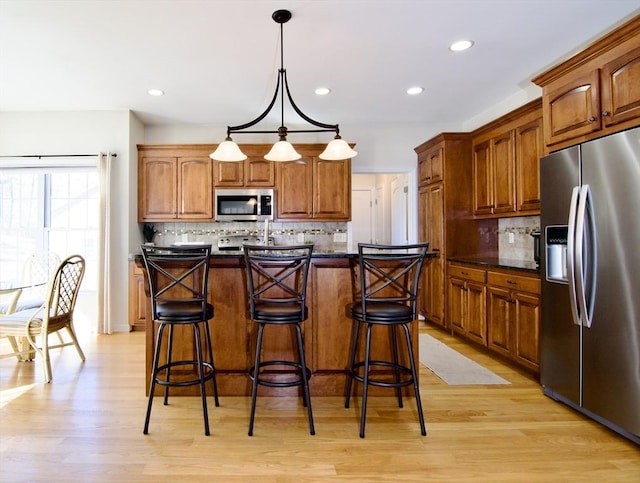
(586, 253)
(570, 261)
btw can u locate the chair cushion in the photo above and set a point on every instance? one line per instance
(279, 313)
(29, 304)
(383, 313)
(18, 320)
(183, 311)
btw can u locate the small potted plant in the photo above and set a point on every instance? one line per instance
(148, 232)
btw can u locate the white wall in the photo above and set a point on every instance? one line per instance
(87, 132)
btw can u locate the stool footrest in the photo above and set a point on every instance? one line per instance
(380, 383)
(209, 373)
(266, 382)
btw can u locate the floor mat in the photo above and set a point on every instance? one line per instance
(451, 366)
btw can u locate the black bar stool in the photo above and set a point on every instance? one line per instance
(277, 285)
(388, 283)
(178, 280)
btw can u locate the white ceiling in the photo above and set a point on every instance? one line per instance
(217, 60)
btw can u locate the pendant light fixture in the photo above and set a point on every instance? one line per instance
(283, 150)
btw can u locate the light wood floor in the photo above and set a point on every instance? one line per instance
(86, 426)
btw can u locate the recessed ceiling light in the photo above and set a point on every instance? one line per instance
(322, 91)
(412, 91)
(460, 45)
(155, 92)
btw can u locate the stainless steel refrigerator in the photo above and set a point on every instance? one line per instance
(590, 260)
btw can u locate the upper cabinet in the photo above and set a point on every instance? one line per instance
(595, 92)
(174, 183)
(494, 185)
(505, 164)
(529, 149)
(431, 166)
(177, 182)
(253, 172)
(312, 188)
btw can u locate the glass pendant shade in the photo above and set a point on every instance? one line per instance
(282, 151)
(336, 150)
(228, 151)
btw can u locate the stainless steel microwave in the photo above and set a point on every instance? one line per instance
(244, 204)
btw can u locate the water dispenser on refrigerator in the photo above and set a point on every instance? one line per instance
(556, 253)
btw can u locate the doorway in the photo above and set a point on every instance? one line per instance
(362, 214)
(400, 210)
(381, 208)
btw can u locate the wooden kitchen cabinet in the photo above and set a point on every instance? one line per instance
(494, 186)
(513, 314)
(294, 181)
(529, 149)
(467, 302)
(174, 184)
(253, 172)
(431, 166)
(497, 308)
(313, 189)
(595, 92)
(441, 159)
(137, 298)
(431, 208)
(505, 164)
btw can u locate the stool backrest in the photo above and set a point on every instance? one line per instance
(390, 273)
(277, 274)
(177, 274)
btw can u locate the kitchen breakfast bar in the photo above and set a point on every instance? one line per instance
(327, 331)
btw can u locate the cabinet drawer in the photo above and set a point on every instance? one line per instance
(514, 282)
(466, 273)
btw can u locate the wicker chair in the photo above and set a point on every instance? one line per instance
(36, 271)
(54, 315)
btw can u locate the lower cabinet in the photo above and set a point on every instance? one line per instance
(432, 296)
(137, 298)
(513, 311)
(467, 302)
(497, 309)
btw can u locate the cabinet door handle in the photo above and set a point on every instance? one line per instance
(512, 282)
(605, 113)
(592, 119)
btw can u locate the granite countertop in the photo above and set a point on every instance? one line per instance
(238, 253)
(496, 262)
(348, 252)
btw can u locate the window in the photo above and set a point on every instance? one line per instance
(49, 210)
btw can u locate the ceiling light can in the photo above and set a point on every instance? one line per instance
(461, 45)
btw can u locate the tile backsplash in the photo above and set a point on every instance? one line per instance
(322, 234)
(514, 234)
(514, 237)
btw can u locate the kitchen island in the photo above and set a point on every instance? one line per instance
(327, 331)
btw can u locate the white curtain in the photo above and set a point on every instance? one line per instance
(104, 247)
